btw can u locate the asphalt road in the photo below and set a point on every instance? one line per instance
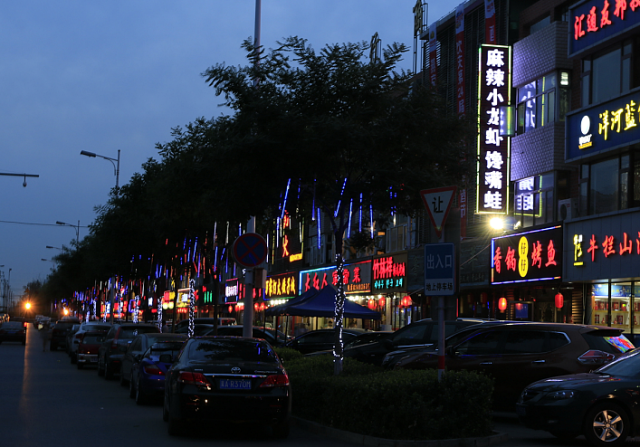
(46, 401)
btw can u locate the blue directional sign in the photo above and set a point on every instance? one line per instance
(439, 270)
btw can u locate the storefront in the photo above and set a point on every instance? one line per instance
(603, 263)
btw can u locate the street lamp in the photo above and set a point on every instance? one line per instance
(75, 227)
(116, 165)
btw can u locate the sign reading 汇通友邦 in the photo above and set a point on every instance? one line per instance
(494, 92)
(594, 21)
(534, 255)
(606, 126)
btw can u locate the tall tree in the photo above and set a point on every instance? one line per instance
(347, 129)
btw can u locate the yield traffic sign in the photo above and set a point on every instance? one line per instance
(438, 202)
(250, 250)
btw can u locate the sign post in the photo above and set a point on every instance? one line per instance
(249, 250)
(439, 280)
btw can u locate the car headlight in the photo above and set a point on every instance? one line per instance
(562, 394)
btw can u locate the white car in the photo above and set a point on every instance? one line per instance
(90, 326)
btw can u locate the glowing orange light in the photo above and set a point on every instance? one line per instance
(382, 301)
(502, 304)
(559, 300)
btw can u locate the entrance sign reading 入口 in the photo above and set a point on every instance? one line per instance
(438, 203)
(439, 270)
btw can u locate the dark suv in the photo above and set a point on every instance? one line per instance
(517, 354)
(115, 344)
(59, 332)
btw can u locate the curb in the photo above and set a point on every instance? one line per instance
(372, 441)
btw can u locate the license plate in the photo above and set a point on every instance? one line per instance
(230, 384)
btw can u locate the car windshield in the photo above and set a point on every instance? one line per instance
(96, 327)
(627, 365)
(164, 346)
(229, 350)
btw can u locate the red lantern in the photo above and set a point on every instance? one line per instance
(406, 301)
(371, 304)
(263, 306)
(559, 300)
(502, 304)
(518, 306)
(382, 301)
(256, 306)
(230, 308)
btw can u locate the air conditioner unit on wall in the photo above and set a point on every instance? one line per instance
(568, 209)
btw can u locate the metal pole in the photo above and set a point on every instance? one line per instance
(118, 171)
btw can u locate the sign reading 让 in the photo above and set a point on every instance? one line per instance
(438, 203)
(439, 270)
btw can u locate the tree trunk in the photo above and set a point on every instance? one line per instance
(338, 349)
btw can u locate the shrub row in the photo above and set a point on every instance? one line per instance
(401, 404)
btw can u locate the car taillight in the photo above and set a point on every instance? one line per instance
(153, 370)
(595, 357)
(189, 378)
(275, 380)
(79, 336)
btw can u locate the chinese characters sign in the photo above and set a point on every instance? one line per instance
(281, 286)
(390, 273)
(494, 91)
(597, 20)
(460, 96)
(356, 278)
(531, 256)
(605, 126)
(525, 196)
(439, 270)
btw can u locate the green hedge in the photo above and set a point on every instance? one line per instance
(400, 404)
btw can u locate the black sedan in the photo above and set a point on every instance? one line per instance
(603, 405)
(224, 380)
(13, 331)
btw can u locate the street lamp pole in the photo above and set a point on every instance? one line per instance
(75, 227)
(116, 165)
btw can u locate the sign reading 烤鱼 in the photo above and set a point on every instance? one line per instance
(530, 256)
(494, 92)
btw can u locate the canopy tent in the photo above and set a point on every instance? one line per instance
(323, 304)
(282, 309)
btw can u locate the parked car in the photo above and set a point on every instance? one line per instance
(275, 338)
(13, 331)
(517, 354)
(87, 326)
(87, 350)
(148, 373)
(321, 340)
(198, 329)
(603, 405)
(116, 343)
(138, 347)
(359, 348)
(182, 325)
(59, 332)
(219, 379)
(69, 337)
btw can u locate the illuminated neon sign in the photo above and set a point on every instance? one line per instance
(599, 248)
(598, 20)
(531, 256)
(281, 286)
(390, 273)
(356, 278)
(494, 92)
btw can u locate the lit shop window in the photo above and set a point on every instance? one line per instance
(543, 101)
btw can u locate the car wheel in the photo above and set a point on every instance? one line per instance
(108, 374)
(132, 388)
(606, 424)
(281, 430)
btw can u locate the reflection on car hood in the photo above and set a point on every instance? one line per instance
(573, 381)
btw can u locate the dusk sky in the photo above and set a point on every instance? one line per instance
(103, 76)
